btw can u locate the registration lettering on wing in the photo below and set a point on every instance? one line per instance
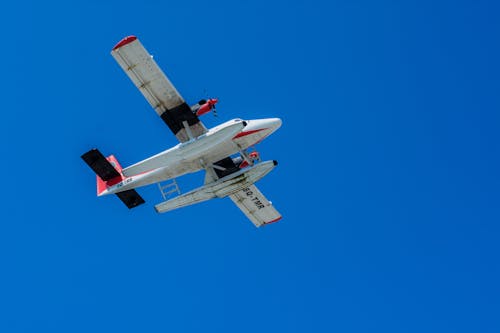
(255, 200)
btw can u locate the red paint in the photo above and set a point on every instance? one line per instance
(239, 135)
(124, 41)
(114, 162)
(243, 164)
(101, 184)
(254, 155)
(207, 107)
(276, 220)
(114, 181)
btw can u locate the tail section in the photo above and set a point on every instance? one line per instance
(109, 173)
(103, 185)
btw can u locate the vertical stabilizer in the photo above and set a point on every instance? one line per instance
(103, 185)
(108, 173)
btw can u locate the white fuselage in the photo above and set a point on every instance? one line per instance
(219, 142)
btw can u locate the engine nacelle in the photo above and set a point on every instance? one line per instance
(253, 157)
(204, 106)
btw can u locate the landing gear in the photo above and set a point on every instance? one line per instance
(169, 188)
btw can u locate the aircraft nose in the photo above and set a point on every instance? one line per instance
(275, 123)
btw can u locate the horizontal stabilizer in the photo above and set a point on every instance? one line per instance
(101, 166)
(130, 198)
(108, 172)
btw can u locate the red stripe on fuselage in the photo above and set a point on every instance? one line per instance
(241, 134)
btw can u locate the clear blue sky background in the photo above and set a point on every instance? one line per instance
(388, 178)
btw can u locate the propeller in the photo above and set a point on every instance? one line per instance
(214, 109)
(254, 156)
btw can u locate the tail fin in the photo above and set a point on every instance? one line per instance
(103, 185)
(109, 173)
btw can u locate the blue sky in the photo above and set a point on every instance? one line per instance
(388, 176)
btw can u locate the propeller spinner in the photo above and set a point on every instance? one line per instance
(208, 106)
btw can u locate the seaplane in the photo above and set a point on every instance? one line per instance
(223, 151)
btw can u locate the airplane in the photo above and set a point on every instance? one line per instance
(222, 151)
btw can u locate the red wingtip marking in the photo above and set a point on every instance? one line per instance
(124, 41)
(276, 220)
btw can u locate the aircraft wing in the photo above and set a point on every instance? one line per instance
(255, 206)
(147, 76)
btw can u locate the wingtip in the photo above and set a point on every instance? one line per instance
(124, 41)
(274, 221)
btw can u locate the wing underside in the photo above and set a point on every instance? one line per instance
(255, 206)
(161, 94)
